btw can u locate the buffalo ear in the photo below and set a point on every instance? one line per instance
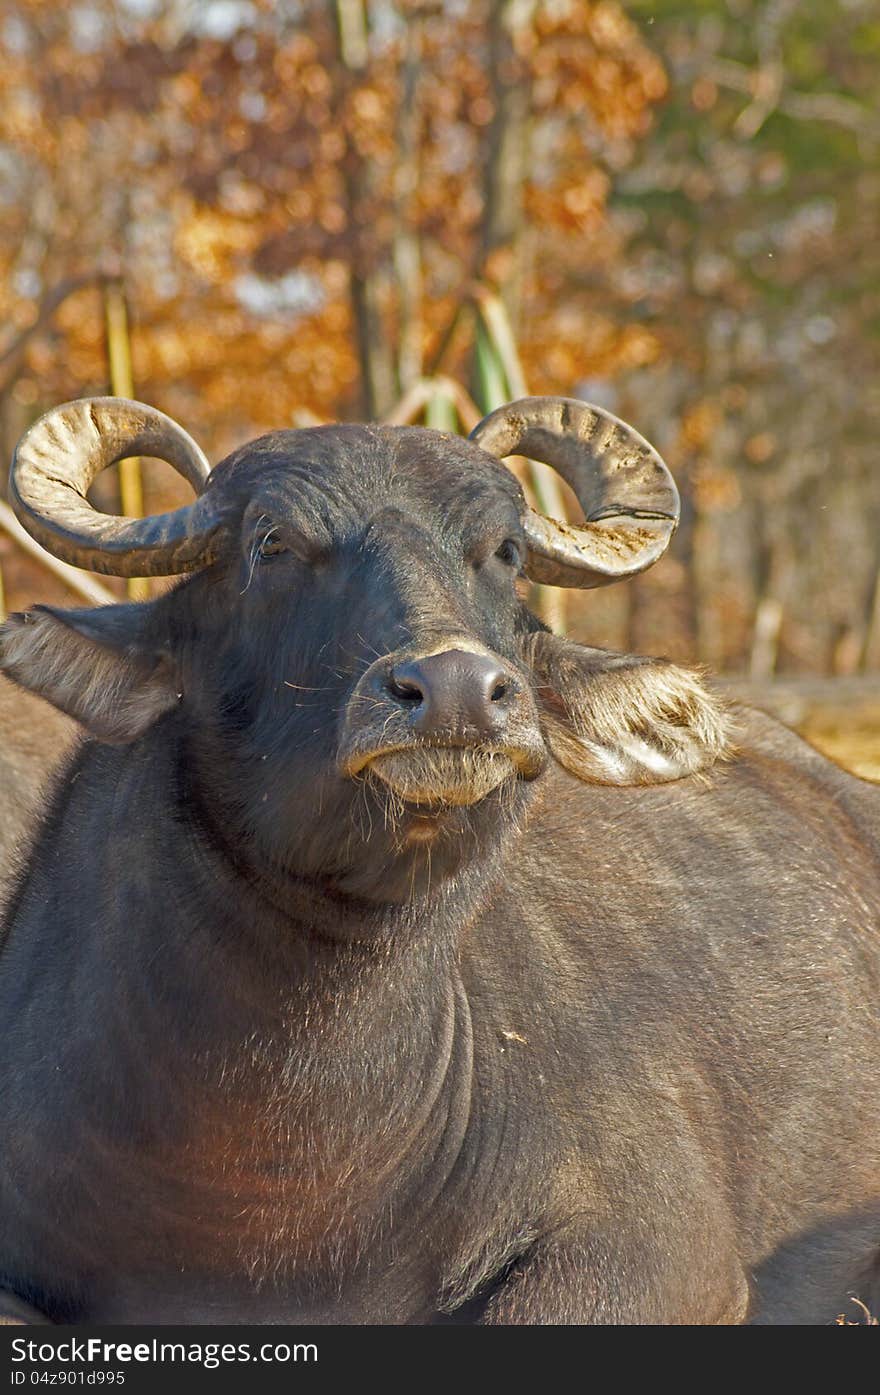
(615, 719)
(99, 666)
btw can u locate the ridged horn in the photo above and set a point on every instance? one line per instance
(630, 502)
(59, 457)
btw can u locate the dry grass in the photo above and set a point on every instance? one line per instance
(851, 736)
(839, 716)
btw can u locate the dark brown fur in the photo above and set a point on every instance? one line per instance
(277, 1045)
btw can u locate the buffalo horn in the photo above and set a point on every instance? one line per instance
(629, 499)
(59, 457)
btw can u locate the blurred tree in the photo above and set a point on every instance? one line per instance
(299, 196)
(746, 246)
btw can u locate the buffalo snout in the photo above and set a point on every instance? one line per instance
(444, 726)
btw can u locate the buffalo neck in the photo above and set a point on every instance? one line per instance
(224, 1011)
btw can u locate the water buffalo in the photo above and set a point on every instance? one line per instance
(384, 958)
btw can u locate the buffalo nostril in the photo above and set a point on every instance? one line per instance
(404, 690)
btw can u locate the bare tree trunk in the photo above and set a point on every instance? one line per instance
(770, 610)
(507, 155)
(366, 282)
(501, 242)
(704, 579)
(871, 651)
(407, 250)
(765, 638)
(13, 420)
(374, 349)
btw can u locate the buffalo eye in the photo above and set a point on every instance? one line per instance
(270, 544)
(509, 553)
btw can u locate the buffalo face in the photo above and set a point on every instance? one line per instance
(376, 661)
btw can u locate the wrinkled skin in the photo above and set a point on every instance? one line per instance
(279, 1042)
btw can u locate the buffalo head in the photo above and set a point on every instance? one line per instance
(350, 685)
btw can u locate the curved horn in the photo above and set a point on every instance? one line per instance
(55, 463)
(628, 496)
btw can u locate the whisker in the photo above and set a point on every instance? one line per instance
(254, 549)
